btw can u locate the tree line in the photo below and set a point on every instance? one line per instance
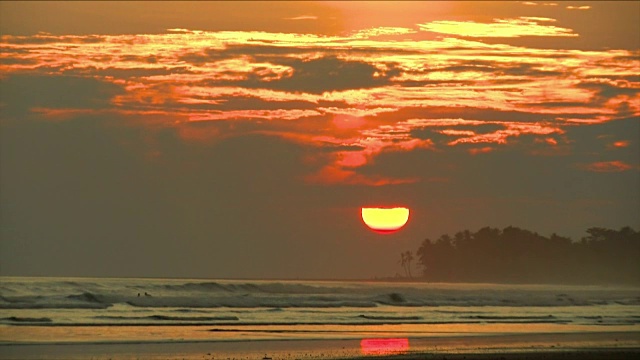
(514, 255)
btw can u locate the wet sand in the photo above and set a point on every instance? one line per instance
(568, 346)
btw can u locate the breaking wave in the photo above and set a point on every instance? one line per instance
(157, 301)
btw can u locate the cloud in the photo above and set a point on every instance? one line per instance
(511, 130)
(482, 150)
(356, 97)
(303, 17)
(531, 3)
(500, 28)
(583, 7)
(620, 144)
(334, 175)
(24, 92)
(382, 31)
(609, 166)
(324, 74)
(279, 114)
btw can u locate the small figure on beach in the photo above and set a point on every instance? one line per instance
(146, 294)
(138, 294)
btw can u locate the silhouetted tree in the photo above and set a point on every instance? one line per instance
(409, 258)
(424, 251)
(517, 255)
(405, 260)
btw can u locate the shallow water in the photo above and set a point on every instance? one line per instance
(110, 311)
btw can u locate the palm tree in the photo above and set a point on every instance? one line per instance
(405, 260)
(409, 258)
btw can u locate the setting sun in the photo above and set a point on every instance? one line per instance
(385, 220)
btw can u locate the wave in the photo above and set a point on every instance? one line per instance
(250, 302)
(487, 317)
(517, 319)
(27, 319)
(189, 296)
(81, 301)
(268, 288)
(397, 318)
(192, 302)
(169, 318)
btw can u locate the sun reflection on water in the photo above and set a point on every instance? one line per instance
(386, 346)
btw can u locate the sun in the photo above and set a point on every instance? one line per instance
(385, 220)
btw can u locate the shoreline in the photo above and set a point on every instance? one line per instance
(373, 279)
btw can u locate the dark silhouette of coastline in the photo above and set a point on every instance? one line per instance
(514, 255)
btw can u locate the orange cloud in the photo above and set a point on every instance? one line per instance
(279, 114)
(621, 144)
(609, 166)
(482, 150)
(530, 3)
(303, 17)
(453, 132)
(382, 95)
(352, 158)
(348, 122)
(63, 113)
(332, 175)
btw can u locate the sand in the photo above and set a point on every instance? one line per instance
(606, 345)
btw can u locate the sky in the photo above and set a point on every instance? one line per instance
(241, 139)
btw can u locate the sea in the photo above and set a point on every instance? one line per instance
(380, 316)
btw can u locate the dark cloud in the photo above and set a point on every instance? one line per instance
(555, 104)
(430, 83)
(605, 90)
(625, 58)
(149, 59)
(261, 52)
(14, 50)
(125, 73)
(21, 93)
(500, 69)
(463, 112)
(50, 39)
(252, 103)
(17, 61)
(318, 75)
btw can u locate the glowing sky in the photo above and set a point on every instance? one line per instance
(240, 139)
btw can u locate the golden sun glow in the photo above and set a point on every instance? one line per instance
(385, 220)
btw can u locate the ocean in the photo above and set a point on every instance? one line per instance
(382, 317)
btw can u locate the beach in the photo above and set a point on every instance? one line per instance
(62, 318)
(600, 345)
